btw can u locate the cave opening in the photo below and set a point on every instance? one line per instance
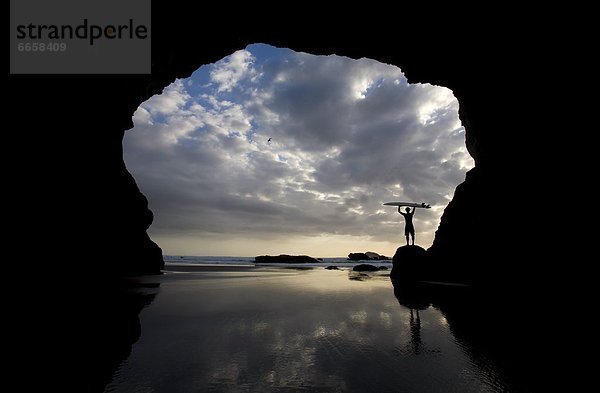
(269, 150)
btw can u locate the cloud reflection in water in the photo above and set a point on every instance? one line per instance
(316, 330)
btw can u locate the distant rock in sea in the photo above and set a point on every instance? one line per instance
(332, 268)
(358, 256)
(364, 267)
(367, 256)
(283, 258)
(376, 257)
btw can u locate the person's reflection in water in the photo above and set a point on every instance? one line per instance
(410, 296)
(415, 331)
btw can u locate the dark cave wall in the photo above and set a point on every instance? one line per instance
(77, 217)
(78, 123)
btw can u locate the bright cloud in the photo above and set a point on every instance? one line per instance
(231, 70)
(345, 136)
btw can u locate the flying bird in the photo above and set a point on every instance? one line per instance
(269, 140)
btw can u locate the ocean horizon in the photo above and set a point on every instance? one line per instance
(249, 261)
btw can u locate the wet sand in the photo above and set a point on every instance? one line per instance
(267, 329)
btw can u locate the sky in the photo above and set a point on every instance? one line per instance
(272, 151)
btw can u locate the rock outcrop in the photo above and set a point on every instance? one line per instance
(367, 256)
(376, 257)
(358, 256)
(410, 263)
(365, 267)
(283, 258)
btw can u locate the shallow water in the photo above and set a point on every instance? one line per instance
(276, 329)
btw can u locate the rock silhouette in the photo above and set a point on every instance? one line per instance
(410, 263)
(367, 256)
(358, 256)
(283, 258)
(365, 267)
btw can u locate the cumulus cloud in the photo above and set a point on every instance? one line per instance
(229, 71)
(346, 136)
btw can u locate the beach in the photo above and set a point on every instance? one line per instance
(273, 329)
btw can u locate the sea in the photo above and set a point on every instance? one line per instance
(249, 261)
(288, 329)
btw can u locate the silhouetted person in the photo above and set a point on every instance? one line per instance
(409, 228)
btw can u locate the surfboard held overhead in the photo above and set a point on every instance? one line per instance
(409, 204)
